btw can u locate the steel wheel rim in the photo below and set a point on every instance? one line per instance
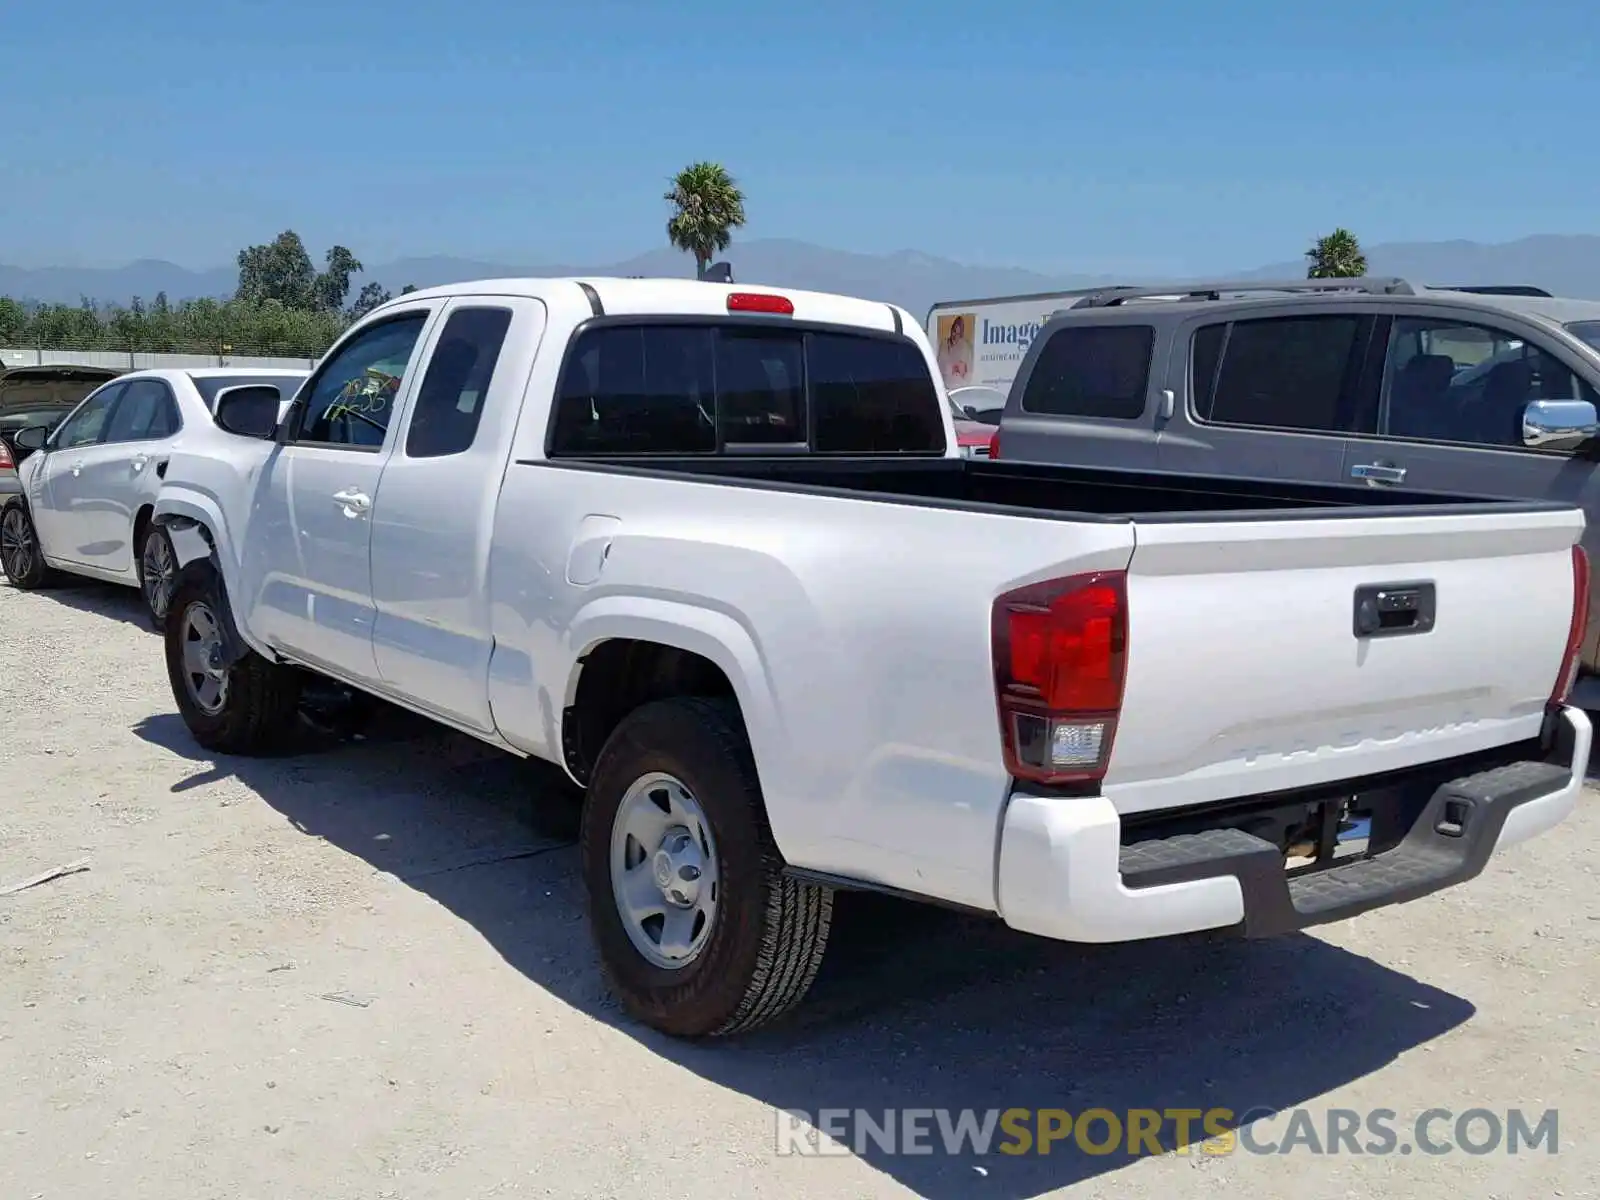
(664, 877)
(16, 543)
(158, 569)
(203, 675)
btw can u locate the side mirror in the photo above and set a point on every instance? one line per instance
(1559, 424)
(250, 410)
(32, 438)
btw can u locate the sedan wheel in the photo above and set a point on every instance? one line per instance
(20, 555)
(158, 570)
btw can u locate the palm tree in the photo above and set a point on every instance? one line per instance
(1337, 256)
(707, 206)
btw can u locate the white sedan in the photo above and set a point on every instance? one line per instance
(88, 493)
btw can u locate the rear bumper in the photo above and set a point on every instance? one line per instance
(1066, 873)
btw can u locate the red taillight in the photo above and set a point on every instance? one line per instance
(994, 444)
(759, 302)
(5, 455)
(1578, 626)
(1060, 658)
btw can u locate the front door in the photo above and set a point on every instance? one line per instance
(1449, 417)
(307, 578)
(63, 508)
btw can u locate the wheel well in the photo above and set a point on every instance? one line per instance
(619, 676)
(141, 525)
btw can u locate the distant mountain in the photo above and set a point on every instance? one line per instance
(1565, 264)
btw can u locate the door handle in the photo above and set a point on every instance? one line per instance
(77, 467)
(353, 501)
(139, 461)
(1379, 472)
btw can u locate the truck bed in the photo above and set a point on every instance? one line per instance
(1075, 493)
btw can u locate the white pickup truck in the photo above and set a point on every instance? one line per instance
(713, 550)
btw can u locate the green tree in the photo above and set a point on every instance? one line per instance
(333, 284)
(280, 270)
(372, 294)
(1336, 256)
(707, 206)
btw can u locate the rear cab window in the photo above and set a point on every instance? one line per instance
(674, 387)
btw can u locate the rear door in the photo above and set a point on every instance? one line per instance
(433, 515)
(1246, 673)
(118, 474)
(1269, 397)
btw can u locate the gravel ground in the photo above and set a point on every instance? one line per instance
(304, 978)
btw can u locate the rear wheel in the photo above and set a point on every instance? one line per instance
(158, 572)
(250, 707)
(700, 932)
(21, 556)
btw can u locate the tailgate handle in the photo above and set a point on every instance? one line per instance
(1394, 609)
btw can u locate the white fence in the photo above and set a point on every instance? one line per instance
(123, 360)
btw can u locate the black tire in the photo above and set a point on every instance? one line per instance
(258, 711)
(769, 930)
(21, 557)
(156, 590)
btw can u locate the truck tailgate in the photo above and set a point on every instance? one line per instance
(1245, 672)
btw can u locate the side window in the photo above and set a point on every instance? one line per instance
(1091, 371)
(1450, 381)
(86, 425)
(761, 387)
(146, 412)
(449, 404)
(351, 398)
(872, 396)
(1292, 373)
(637, 390)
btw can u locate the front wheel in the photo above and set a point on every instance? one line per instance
(158, 572)
(699, 930)
(250, 707)
(21, 556)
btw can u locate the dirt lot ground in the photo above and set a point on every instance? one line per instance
(288, 979)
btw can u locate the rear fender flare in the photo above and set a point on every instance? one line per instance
(716, 636)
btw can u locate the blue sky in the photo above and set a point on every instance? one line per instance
(1156, 136)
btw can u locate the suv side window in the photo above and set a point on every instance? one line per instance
(1456, 381)
(1092, 371)
(449, 404)
(86, 426)
(350, 399)
(146, 412)
(1289, 373)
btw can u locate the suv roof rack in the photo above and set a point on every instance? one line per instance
(1371, 285)
(1493, 289)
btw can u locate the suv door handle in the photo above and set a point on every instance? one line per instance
(139, 461)
(353, 501)
(1379, 472)
(77, 467)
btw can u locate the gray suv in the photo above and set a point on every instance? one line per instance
(1373, 381)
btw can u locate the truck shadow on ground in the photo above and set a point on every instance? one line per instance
(112, 601)
(916, 1008)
